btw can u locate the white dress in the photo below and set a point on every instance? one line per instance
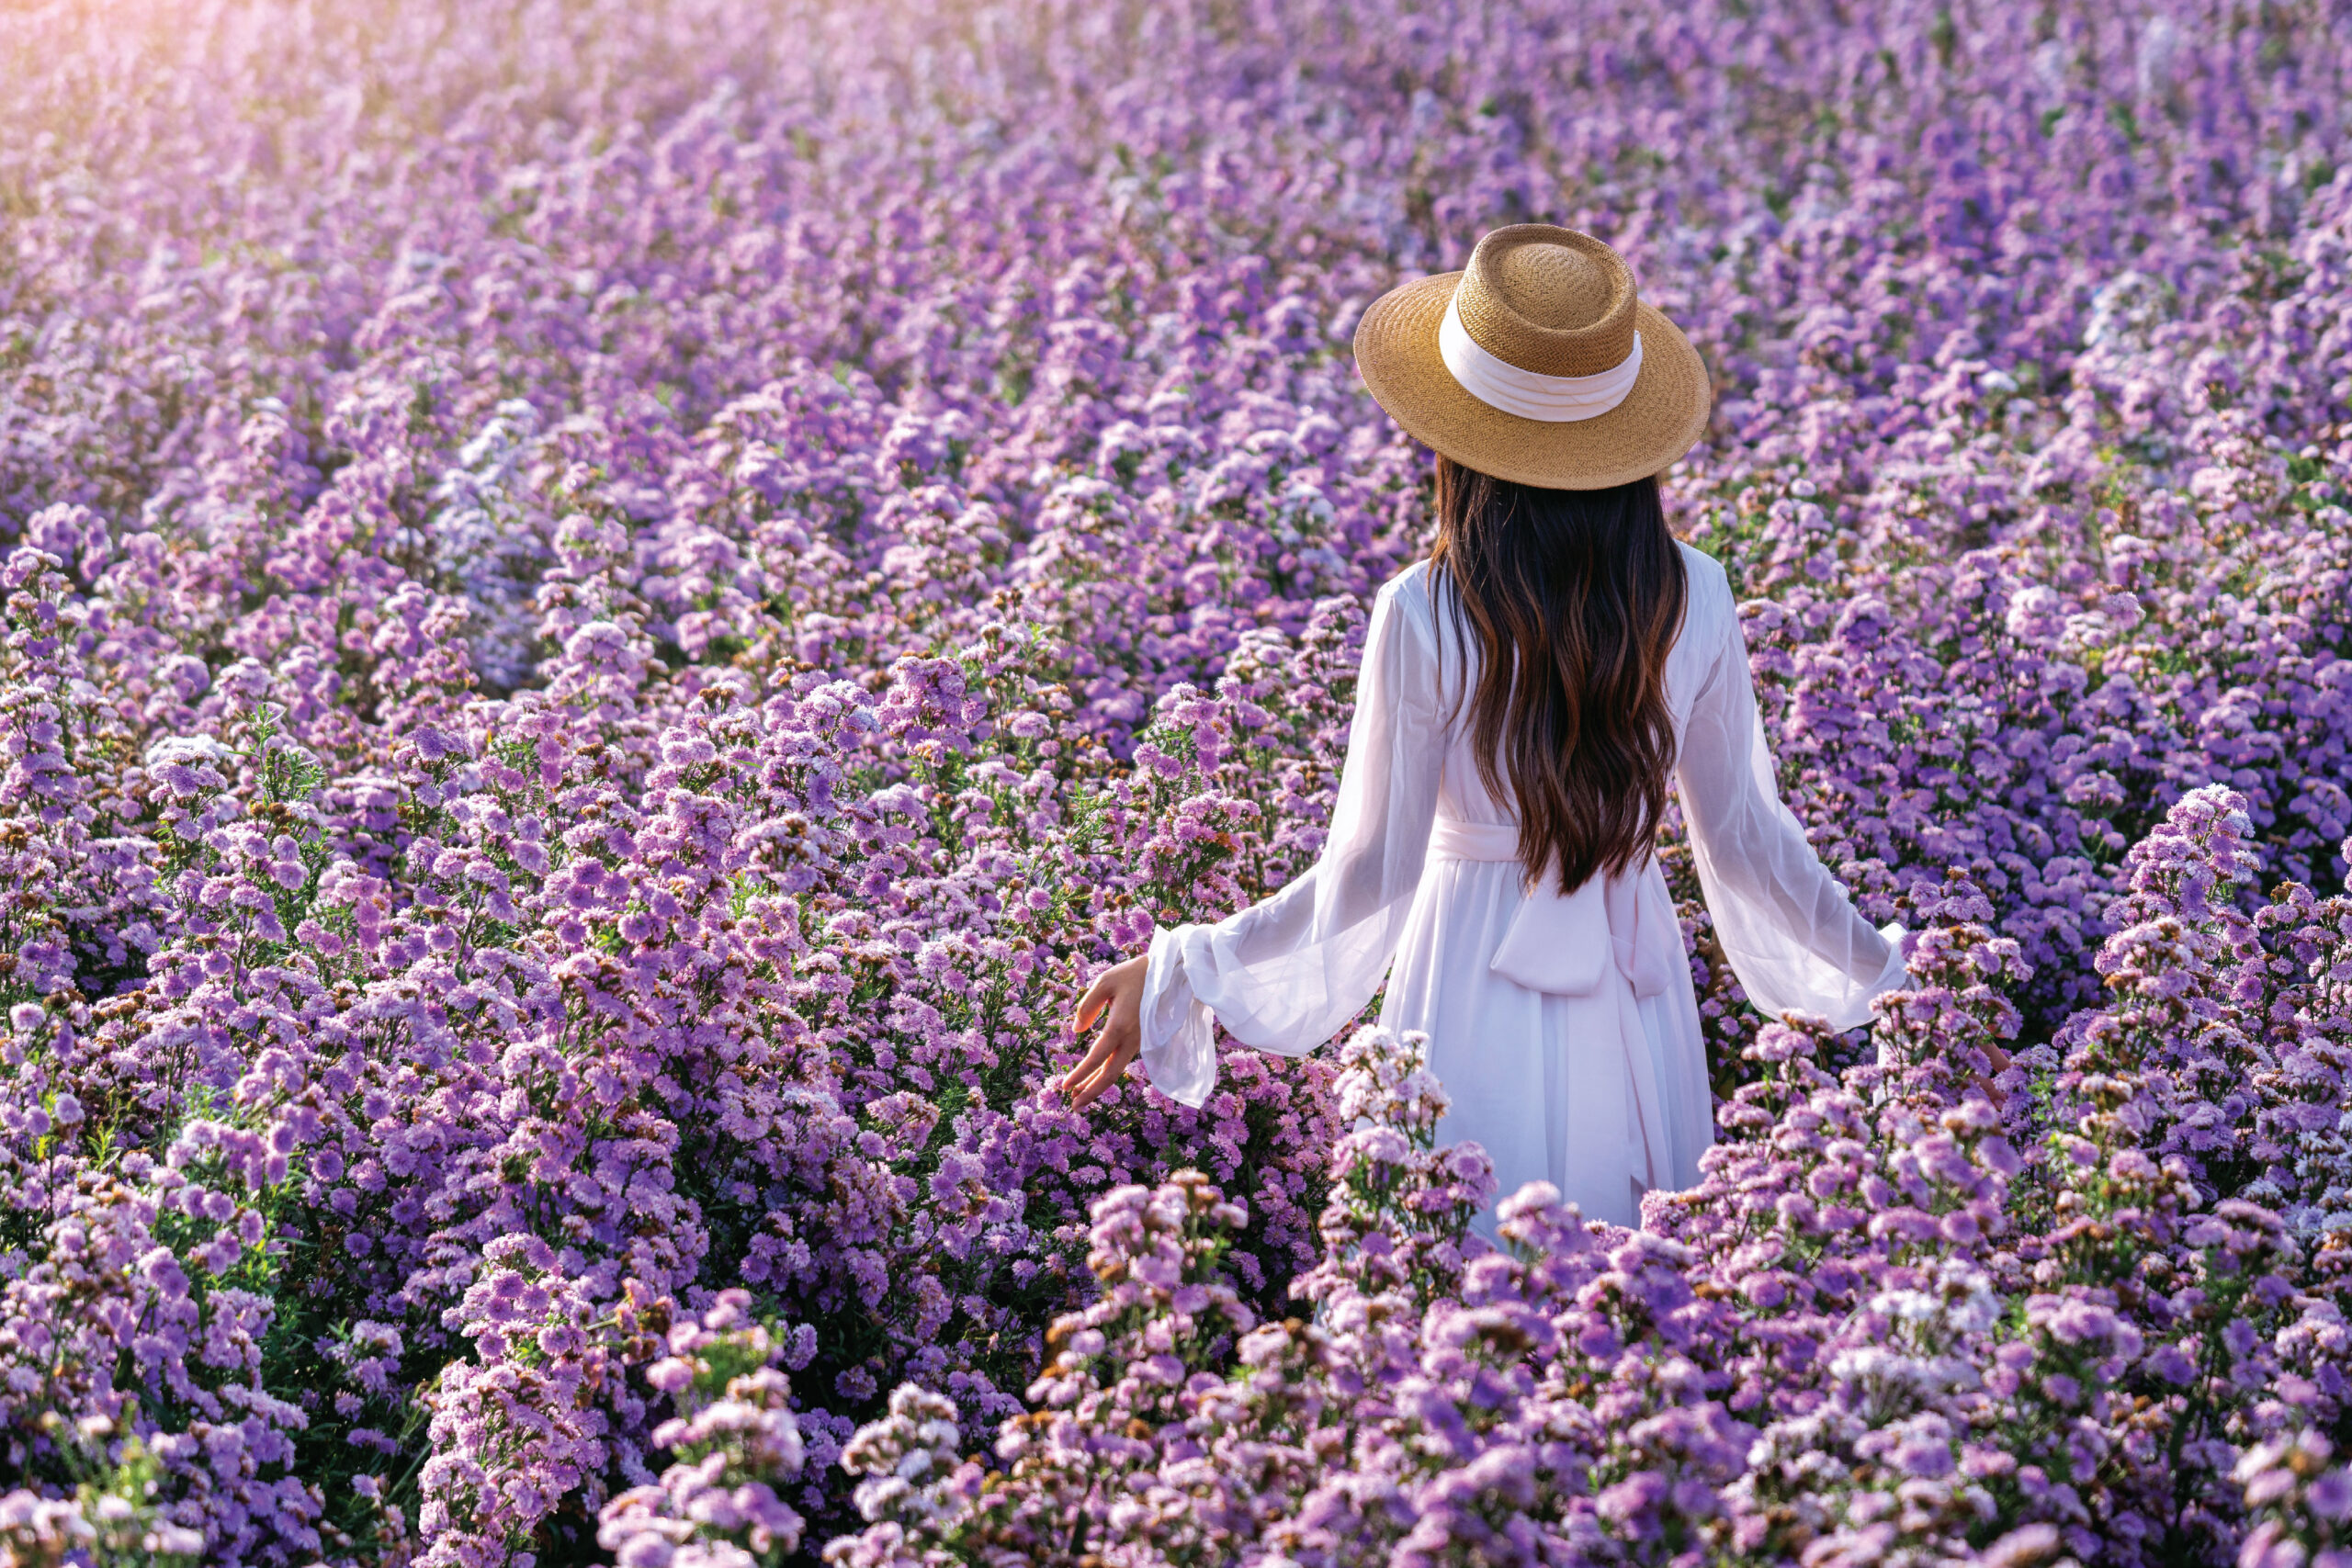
(1565, 1030)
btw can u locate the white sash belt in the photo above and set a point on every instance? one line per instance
(1603, 948)
(1566, 943)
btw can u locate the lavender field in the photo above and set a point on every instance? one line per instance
(610, 607)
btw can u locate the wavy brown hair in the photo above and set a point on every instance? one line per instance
(1573, 599)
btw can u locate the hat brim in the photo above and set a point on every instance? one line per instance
(1660, 418)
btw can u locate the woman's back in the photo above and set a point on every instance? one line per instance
(1562, 1020)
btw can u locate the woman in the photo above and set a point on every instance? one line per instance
(1526, 691)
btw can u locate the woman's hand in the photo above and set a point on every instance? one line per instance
(1116, 1000)
(2000, 1060)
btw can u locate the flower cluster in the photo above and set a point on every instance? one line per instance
(605, 611)
(717, 1506)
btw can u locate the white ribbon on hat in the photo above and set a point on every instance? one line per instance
(1555, 400)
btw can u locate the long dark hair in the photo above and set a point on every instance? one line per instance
(1574, 599)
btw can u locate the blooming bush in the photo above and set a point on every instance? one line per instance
(607, 609)
(739, 1429)
(1878, 1330)
(110, 1517)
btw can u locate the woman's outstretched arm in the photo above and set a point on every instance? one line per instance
(1793, 936)
(1287, 972)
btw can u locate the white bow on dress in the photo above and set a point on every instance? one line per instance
(1602, 949)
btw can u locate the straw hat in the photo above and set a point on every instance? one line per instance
(1537, 364)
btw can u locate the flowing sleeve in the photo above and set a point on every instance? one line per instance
(1794, 938)
(1287, 972)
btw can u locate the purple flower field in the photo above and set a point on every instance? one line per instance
(609, 608)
